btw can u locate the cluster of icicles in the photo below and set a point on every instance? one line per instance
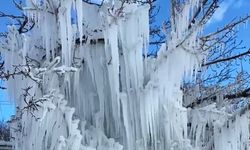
(100, 92)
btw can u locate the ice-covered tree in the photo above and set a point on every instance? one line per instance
(82, 79)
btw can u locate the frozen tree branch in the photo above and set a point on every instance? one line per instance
(228, 58)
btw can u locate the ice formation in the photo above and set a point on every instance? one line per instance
(214, 128)
(97, 91)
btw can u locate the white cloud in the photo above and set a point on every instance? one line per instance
(220, 12)
(223, 9)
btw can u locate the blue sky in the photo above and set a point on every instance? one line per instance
(229, 9)
(8, 7)
(7, 108)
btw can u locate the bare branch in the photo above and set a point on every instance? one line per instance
(228, 58)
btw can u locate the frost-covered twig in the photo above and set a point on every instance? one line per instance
(64, 69)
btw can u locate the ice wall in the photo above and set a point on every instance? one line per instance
(118, 99)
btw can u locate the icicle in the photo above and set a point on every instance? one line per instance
(66, 31)
(111, 50)
(79, 18)
(24, 49)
